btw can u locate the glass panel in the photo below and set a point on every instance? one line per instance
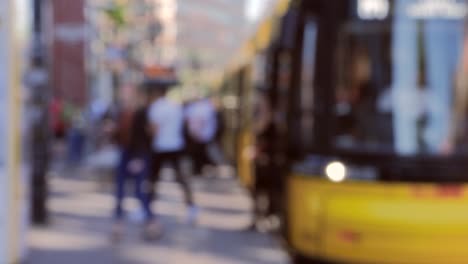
(401, 85)
(283, 82)
(307, 83)
(259, 70)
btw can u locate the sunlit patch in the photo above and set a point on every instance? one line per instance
(60, 241)
(373, 9)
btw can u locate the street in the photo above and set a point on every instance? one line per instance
(80, 227)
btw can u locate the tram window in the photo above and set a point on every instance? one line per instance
(402, 85)
(283, 81)
(307, 83)
(259, 69)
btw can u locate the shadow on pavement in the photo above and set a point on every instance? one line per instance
(81, 223)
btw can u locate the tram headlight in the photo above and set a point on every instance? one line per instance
(336, 171)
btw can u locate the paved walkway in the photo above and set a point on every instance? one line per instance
(80, 227)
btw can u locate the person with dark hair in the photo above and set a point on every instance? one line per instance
(133, 136)
(167, 123)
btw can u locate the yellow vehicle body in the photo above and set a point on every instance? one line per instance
(375, 222)
(245, 166)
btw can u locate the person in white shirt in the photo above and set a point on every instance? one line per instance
(167, 121)
(202, 125)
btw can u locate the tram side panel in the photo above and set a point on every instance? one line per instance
(245, 136)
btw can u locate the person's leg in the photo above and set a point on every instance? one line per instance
(255, 210)
(205, 156)
(176, 161)
(260, 192)
(211, 159)
(209, 155)
(152, 230)
(120, 179)
(143, 187)
(215, 153)
(153, 175)
(71, 147)
(202, 157)
(273, 192)
(197, 158)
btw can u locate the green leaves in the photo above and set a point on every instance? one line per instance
(117, 15)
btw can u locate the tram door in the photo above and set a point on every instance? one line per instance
(14, 24)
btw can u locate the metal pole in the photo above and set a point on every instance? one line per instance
(40, 134)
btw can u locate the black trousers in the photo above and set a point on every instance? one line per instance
(199, 152)
(267, 183)
(174, 160)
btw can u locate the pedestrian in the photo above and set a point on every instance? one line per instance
(265, 190)
(96, 115)
(75, 136)
(167, 121)
(134, 139)
(202, 126)
(57, 121)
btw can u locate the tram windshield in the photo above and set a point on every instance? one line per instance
(402, 82)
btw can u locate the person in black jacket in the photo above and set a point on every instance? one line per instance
(133, 136)
(263, 192)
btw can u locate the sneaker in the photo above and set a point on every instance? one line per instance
(137, 216)
(192, 216)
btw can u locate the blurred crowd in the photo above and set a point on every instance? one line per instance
(147, 130)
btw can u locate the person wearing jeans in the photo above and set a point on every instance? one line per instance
(136, 167)
(134, 138)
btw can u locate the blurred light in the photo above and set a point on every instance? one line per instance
(254, 9)
(373, 9)
(449, 9)
(336, 171)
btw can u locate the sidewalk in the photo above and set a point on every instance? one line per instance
(81, 224)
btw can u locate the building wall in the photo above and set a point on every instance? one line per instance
(167, 41)
(68, 50)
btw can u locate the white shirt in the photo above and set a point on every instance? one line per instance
(168, 117)
(201, 118)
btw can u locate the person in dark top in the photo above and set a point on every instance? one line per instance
(133, 137)
(264, 186)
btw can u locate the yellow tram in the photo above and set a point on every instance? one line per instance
(369, 101)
